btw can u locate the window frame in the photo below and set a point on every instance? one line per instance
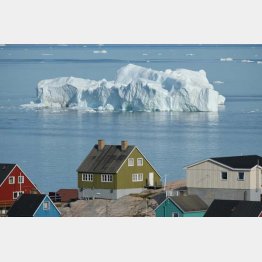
(142, 161)
(48, 205)
(243, 179)
(23, 179)
(137, 177)
(11, 177)
(173, 214)
(221, 175)
(87, 177)
(106, 178)
(131, 159)
(18, 194)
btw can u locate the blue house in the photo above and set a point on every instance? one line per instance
(181, 206)
(34, 205)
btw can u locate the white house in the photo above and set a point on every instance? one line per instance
(232, 178)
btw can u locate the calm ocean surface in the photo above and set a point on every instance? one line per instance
(49, 145)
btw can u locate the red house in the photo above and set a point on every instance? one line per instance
(13, 183)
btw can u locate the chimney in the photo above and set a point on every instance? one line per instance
(101, 144)
(124, 145)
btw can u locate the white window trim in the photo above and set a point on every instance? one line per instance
(22, 178)
(137, 177)
(239, 178)
(221, 178)
(17, 192)
(131, 159)
(46, 202)
(86, 177)
(109, 178)
(13, 180)
(138, 161)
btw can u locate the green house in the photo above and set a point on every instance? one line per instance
(113, 171)
(181, 206)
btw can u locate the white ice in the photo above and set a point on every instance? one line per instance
(135, 88)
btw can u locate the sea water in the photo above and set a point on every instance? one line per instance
(50, 144)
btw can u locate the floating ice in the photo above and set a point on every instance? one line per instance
(217, 82)
(259, 62)
(190, 54)
(247, 61)
(227, 59)
(100, 51)
(46, 54)
(136, 88)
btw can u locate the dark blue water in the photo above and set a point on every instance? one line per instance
(49, 145)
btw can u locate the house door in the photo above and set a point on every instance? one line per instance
(151, 179)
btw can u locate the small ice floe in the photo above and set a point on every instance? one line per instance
(148, 61)
(226, 59)
(46, 54)
(247, 61)
(259, 62)
(190, 54)
(100, 51)
(144, 54)
(217, 82)
(159, 53)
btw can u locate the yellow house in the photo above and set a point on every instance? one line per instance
(113, 171)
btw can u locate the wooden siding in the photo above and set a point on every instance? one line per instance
(6, 189)
(124, 176)
(51, 212)
(208, 175)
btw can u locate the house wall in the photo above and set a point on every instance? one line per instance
(209, 194)
(96, 183)
(52, 212)
(208, 175)
(6, 189)
(124, 176)
(166, 208)
(255, 178)
(195, 214)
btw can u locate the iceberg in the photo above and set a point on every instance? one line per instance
(135, 88)
(226, 59)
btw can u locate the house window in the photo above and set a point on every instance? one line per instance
(137, 177)
(16, 194)
(224, 175)
(241, 176)
(87, 177)
(11, 180)
(106, 178)
(46, 205)
(139, 162)
(130, 161)
(175, 214)
(21, 180)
